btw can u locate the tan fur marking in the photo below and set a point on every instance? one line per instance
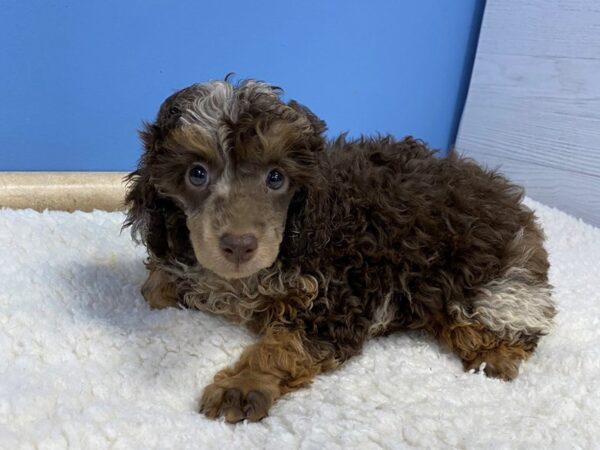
(159, 290)
(277, 364)
(276, 138)
(192, 138)
(476, 345)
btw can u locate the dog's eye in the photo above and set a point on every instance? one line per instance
(198, 175)
(275, 179)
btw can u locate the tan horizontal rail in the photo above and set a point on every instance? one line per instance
(64, 191)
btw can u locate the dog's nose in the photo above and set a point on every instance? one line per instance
(238, 249)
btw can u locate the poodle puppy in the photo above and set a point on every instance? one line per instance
(247, 211)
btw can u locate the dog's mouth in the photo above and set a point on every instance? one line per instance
(237, 272)
(236, 269)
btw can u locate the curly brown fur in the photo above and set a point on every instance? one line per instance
(364, 238)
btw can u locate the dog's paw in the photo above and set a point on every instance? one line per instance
(159, 292)
(494, 366)
(235, 403)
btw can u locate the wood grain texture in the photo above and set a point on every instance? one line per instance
(533, 107)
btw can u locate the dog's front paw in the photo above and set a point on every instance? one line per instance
(236, 399)
(160, 292)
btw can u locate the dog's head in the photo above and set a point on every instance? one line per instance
(222, 163)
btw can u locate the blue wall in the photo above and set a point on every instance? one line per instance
(78, 77)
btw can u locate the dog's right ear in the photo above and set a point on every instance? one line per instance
(155, 220)
(143, 210)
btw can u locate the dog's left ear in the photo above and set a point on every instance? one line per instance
(311, 200)
(319, 126)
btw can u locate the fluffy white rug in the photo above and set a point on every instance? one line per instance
(84, 363)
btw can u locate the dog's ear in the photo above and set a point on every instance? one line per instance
(301, 238)
(311, 199)
(155, 220)
(319, 126)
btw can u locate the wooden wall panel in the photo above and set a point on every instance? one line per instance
(533, 106)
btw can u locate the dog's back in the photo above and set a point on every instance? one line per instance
(435, 243)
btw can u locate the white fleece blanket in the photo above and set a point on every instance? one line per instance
(84, 363)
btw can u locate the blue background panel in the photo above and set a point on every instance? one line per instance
(78, 77)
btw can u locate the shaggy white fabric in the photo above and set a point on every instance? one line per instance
(84, 363)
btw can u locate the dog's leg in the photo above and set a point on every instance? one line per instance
(504, 321)
(279, 363)
(476, 345)
(159, 290)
